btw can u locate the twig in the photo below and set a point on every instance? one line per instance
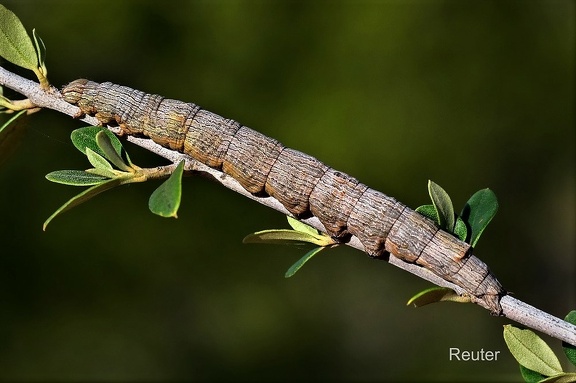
(513, 309)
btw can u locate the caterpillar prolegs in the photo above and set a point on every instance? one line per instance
(303, 184)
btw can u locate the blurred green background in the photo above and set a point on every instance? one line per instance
(470, 94)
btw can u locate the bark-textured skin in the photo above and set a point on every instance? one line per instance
(304, 185)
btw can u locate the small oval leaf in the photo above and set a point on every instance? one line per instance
(98, 161)
(443, 205)
(83, 197)
(460, 229)
(298, 265)
(165, 200)
(112, 152)
(40, 50)
(105, 173)
(436, 294)
(42, 72)
(301, 226)
(530, 376)
(531, 351)
(569, 349)
(478, 212)
(568, 377)
(286, 237)
(75, 178)
(85, 137)
(429, 211)
(15, 44)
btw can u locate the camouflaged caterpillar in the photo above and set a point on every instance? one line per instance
(304, 185)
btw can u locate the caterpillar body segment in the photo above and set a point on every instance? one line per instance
(292, 179)
(304, 185)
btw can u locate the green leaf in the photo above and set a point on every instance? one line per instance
(165, 200)
(460, 229)
(436, 294)
(443, 204)
(531, 351)
(10, 121)
(40, 52)
(4, 102)
(571, 317)
(75, 178)
(282, 237)
(302, 234)
(106, 173)
(98, 161)
(429, 211)
(15, 44)
(298, 265)
(570, 350)
(562, 378)
(111, 152)
(301, 226)
(101, 166)
(478, 212)
(277, 237)
(11, 132)
(83, 197)
(530, 376)
(84, 138)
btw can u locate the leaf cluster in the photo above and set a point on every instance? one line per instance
(111, 167)
(468, 226)
(536, 360)
(300, 234)
(17, 47)
(473, 219)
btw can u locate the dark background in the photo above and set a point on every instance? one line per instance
(470, 94)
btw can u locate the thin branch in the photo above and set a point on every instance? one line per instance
(513, 309)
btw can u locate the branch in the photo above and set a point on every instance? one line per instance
(513, 308)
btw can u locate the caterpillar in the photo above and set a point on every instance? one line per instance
(301, 183)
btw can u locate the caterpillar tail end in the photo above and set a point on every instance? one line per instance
(491, 302)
